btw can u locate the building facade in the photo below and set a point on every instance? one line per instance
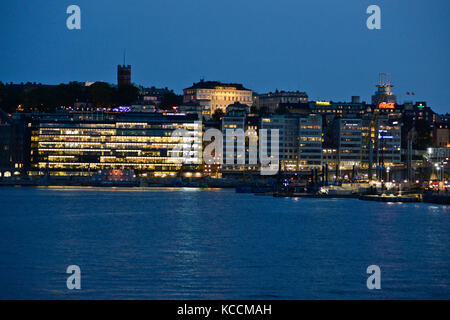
(349, 142)
(300, 140)
(238, 131)
(441, 135)
(82, 146)
(270, 102)
(214, 95)
(310, 144)
(388, 143)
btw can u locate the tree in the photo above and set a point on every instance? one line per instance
(40, 97)
(9, 98)
(127, 94)
(170, 99)
(217, 115)
(74, 91)
(101, 94)
(2, 94)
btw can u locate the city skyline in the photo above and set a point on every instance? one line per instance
(222, 157)
(333, 58)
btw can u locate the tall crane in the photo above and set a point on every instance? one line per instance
(370, 139)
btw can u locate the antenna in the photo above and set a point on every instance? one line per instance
(384, 80)
(124, 55)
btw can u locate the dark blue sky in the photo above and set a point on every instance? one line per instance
(320, 46)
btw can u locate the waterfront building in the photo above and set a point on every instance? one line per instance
(349, 142)
(14, 146)
(373, 140)
(330, 157)
(83, 144)
(235, 120)
(388, 142)
(5, 143)
(381, 137)
(213, 95)
(288, 130)
(300, 144)
(310, 144)
(270, 102)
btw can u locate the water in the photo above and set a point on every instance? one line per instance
(216, 244)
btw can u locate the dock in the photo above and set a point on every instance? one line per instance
(391, 198)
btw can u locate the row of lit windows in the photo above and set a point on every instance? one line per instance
(311, 127)
(59, 138)
(311, 138)
(99, 165)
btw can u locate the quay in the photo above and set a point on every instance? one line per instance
(392, 198)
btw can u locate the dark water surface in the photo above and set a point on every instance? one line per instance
(216, 244)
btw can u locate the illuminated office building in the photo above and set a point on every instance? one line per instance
(310, 148)
(300, 140)
(288, 139)
(388, 143)
(83, 145)
(238, 129)
(349, 142)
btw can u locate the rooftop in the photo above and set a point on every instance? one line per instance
(214, 84)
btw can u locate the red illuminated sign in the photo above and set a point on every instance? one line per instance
(386, 105)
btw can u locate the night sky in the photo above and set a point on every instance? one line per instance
(322, 47)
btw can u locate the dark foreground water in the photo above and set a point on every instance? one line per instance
(216, 244)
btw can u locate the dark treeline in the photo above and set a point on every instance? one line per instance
(48, 98)
(170, 99)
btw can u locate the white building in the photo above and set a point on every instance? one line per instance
(213, 95)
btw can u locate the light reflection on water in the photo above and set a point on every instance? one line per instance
(175, 243)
